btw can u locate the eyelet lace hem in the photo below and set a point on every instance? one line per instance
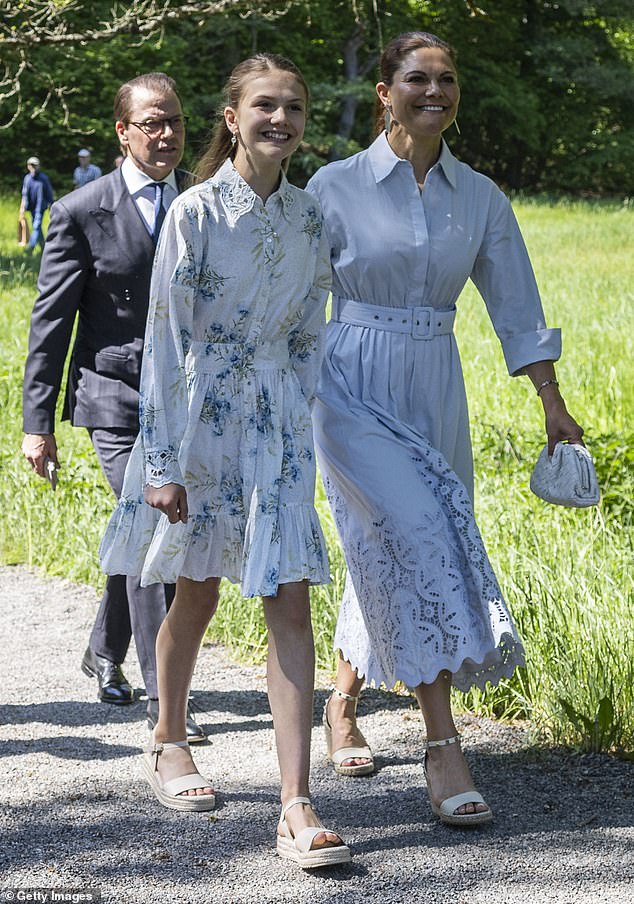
(425, 600)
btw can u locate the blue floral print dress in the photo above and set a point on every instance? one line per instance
(232, 351)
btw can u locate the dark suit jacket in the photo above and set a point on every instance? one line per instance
(96, 268)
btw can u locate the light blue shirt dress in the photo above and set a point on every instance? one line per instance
(391, 420)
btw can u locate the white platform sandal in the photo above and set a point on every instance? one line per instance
(299, 850)
(446, 810)
(170, 794)
(338, 757)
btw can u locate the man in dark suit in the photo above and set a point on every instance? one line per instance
(96, 269)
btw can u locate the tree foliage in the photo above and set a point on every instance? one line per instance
(546, 86)
(29, 26)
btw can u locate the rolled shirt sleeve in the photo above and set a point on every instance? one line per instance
(504, 277)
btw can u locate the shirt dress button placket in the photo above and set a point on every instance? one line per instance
(418, 282)
(249, 419)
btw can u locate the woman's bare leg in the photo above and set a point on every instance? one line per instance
(291, 675)
(446, 766)
(177, 645)
(341, 713)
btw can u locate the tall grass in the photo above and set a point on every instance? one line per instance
(567, 575)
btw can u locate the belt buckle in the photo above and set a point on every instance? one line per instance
(422, 323)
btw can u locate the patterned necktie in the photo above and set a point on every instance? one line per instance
(159, 210)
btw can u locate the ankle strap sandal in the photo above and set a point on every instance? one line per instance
(338, 757)
(299, 849)
(446, 811)
(172, 793)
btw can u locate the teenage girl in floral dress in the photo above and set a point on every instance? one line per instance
(225, 457)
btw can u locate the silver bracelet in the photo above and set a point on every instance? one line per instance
(547, 383)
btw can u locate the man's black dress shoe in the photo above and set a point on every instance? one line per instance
(113, 685)
(194, 731)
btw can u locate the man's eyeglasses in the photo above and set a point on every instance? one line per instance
(155, 127)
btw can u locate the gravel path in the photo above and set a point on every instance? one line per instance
(76, 814)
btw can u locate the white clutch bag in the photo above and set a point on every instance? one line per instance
(567, 477)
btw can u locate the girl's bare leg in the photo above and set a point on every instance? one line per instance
(177, 645)
(291, 675)
(446, 766)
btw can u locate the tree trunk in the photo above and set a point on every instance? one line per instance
(353, 73)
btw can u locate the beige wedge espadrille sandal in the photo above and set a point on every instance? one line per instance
(170, 794)
(446, 811)
(338, 757)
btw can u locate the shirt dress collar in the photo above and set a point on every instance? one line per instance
(383, 160)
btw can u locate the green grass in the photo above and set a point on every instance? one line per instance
(567, 575)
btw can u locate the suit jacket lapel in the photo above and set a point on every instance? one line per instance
(184, 179)
(119, 218)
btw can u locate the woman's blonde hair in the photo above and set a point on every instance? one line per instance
(220, 146)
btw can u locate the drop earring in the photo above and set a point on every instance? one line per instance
(455, 122)
(234, 140)
(388, 118)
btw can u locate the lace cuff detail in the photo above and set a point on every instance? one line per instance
(161, 467)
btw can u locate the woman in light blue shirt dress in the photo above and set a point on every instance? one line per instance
(408, 226)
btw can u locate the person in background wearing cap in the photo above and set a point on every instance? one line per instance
(37, 197)
(86, 171)
(96, 269)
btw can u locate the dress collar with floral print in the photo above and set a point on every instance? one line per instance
(239, 198)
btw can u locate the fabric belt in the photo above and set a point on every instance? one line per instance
(420, 322)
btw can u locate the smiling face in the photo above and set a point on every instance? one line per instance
(155, 155)
(424, 93)
(269, 120)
